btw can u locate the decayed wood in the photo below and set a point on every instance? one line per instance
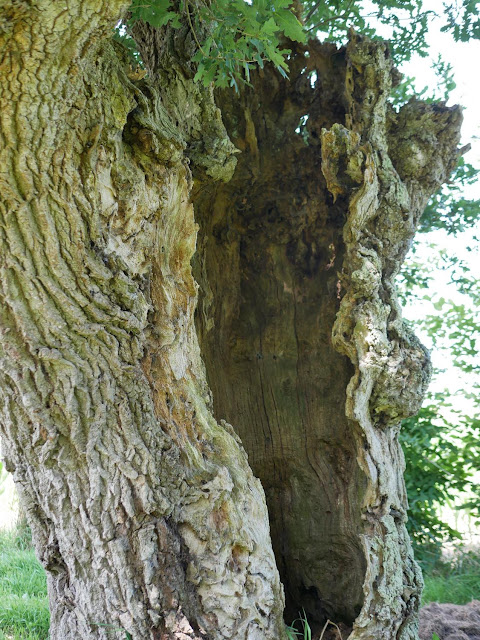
(300, 327)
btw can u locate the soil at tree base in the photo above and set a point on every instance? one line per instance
(450, 621)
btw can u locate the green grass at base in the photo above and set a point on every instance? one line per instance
(24, 613)
(457, 582)
(14, 634)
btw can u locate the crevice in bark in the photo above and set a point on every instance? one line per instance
(268, 258)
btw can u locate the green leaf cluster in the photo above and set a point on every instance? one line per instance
(407, 21)
(157, 13)
(463, 20)
(232, 36)
(437, 465)
(242, 36)
(445, 84)
(448, 209)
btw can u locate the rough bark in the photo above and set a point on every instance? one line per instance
(144, 511)
(300, 327)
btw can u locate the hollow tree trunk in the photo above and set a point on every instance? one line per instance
(144, 511)
(300, 327)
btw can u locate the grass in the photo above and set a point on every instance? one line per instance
(293, 633)
(457, 581)
(24, 613)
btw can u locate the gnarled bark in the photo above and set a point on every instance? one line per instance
(144, 511)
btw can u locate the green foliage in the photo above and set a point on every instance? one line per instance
(157, 13)
(445, 84)
(437, 464)
(241, 36)
(448, 209)
(463, 20)
(24, 613)
(305, 633)
(442, 443)
(456, 581)
(454, 323)
(234, 36)
(406, 20)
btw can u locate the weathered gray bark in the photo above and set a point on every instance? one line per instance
(144, 510)
(300, 327)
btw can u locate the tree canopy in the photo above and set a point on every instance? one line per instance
(234, 36)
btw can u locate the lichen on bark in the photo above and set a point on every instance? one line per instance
(395, 171)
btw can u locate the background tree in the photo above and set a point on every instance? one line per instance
(144, 510)
(441, 442)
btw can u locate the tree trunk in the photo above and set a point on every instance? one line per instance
(144, 510)
(300, 327)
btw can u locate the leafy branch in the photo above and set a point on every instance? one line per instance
(232, 36)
